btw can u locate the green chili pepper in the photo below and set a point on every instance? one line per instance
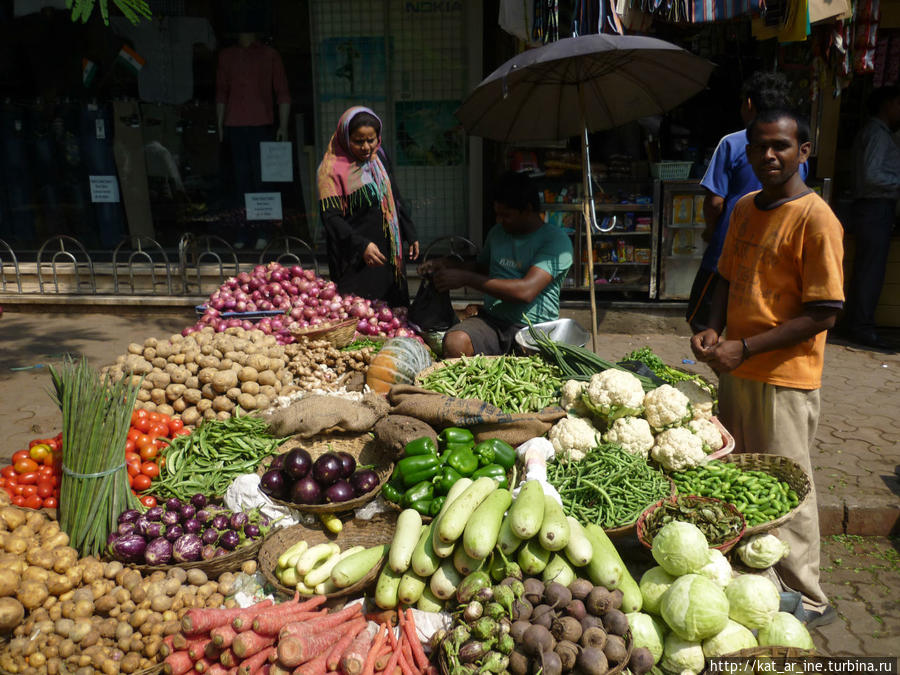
(455, 435)
(413, 470)
(420, 446)
(391, 493)
(495, 451)
(446, 479)
(436, 505)
(494, 471)
(419, 491)
(462, 459)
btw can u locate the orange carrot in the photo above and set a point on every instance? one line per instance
(178, 663)
(395, 656)
(369, 665)
(334, 655)
(203, 665)
(181, 642)
(197, 621)
(228, 659)
(383, 657)
(320, 624)
(404, 662)
(354, 657)
(270, 624)
(265, 669)
(195, 651)
(316, 666)
(255, 662)
(249, 643)
(223, 635)
(294, 650)
(418, 653)
(279, 669)
(217, 669)
(166, 647)
(265, 621)
(212, 652)
(388, 616)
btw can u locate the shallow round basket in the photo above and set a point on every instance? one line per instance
(724, 547)
(153, 670)
(747, 660)
(364, 448)
(355, 532)
(230, 562)
(625, 530)
(781, 468)
(339, 334)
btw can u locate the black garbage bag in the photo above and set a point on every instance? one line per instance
(431, 311)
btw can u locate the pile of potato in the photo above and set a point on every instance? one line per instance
(317, 364)
(206, 375)
(67, 615)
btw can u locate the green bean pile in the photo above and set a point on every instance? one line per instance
(760, 496)
(207, 460)
(515, 384)
(609, 486)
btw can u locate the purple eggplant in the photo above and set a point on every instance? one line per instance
(277, 463)
(192, 526)
(110, 538)
(297, 463)
(220, 522)
(210, 536)
(187, 548)
(154, 529)
(364, 482)
(170, 518)
(140, 525)
(273, 483)
(174, 532)
(220, 552)
(238, 520)
(130, 548)
(204, 516)
(306, 491)
(188, 511)
(327, 469)
(125, 528)
(341, 491)
(208, 552)
(129, 516)
(173, 504)
(251, 530)
(154, 513)
(158, 552)
(229, 540)
(348, 464)
(199, 501)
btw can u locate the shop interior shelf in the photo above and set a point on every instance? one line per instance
(601, 206)
(619, 233)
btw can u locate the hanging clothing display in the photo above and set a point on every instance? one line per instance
(516, 18)
(787, 21)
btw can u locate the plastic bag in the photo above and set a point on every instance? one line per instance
(431, 310)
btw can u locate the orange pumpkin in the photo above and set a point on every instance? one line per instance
(398, 362)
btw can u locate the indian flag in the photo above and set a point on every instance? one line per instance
(132, 60)
(88, 71)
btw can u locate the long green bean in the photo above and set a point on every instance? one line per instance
(609, 486)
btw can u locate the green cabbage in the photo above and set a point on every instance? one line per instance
(694, 607)
(680, 548)
(647, 632)
(752, 600)
(654, 583)
(682, 657)
(733, 638)
(785, 630)
(717, 568)
(762, 551)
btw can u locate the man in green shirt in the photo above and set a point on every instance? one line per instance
(520, 270)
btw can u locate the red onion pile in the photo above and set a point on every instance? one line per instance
(306, 299)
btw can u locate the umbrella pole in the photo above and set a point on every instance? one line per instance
(590, 218)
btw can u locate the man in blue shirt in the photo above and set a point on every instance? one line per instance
(728, 178)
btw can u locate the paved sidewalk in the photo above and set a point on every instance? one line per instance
(855, 462)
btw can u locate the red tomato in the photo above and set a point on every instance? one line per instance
(44, 473)
(50, 459)
(33, 502)
(129, 445)
(134, 465)
(149, 452)
(141, 482)
(175, 424)
(55, 443)
(149, 501)
(29, 490)
(161, 461)
(143, 441)
(131, 480)
(35, 442)
(133, 433)
(45, 488)
(29, 478)
(18, 489)
(150, 469)
(25, 465)
(181, 432)
(144, 425)
(2, 482)
(159, 430)
(51, 502)
(20, 455)
(18, 500)
(137, 414)
(153, 416)
(8, 471)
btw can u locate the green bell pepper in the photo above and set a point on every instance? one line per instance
(436, 505)
(455, 435)
(420, 446)
(414, 470)
(495, 451)
(391, 493)
(461, 458)
(423, 506)
(418, 492)
(495, 471)
(446, 479)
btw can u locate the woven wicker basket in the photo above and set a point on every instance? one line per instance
(356, 532)
(364, 448)
(339, 334)
(724, 547)
(745, 660)
(230, 562)
(783, 469)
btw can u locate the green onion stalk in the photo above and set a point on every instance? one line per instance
(96, 415)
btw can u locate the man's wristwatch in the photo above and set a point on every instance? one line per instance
(745, 349)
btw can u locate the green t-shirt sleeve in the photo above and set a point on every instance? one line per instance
(484, 256)
(555, 255)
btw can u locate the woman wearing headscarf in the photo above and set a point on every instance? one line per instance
(367, 228)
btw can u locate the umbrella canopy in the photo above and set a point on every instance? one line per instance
(541, 94)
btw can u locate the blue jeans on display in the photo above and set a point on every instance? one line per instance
(97, 159)
(873, 223)
(45, 168)
(245, 157)
(17, 214)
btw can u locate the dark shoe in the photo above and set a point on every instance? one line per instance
(868, 338)
(818, 619)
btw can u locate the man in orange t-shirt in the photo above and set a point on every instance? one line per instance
(780, 290)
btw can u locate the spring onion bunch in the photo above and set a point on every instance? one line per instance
(96, 415)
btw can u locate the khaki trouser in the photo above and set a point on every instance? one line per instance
(766, 418)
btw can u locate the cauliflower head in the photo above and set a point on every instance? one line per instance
(666, 407)
(570, 399)
(708, 432)
(678, 449)
(702, 403)
(633, 434)
(573, 437)
(613, 394)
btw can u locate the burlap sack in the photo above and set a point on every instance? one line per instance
(313, 415)
(395, 431)
(483, 419)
